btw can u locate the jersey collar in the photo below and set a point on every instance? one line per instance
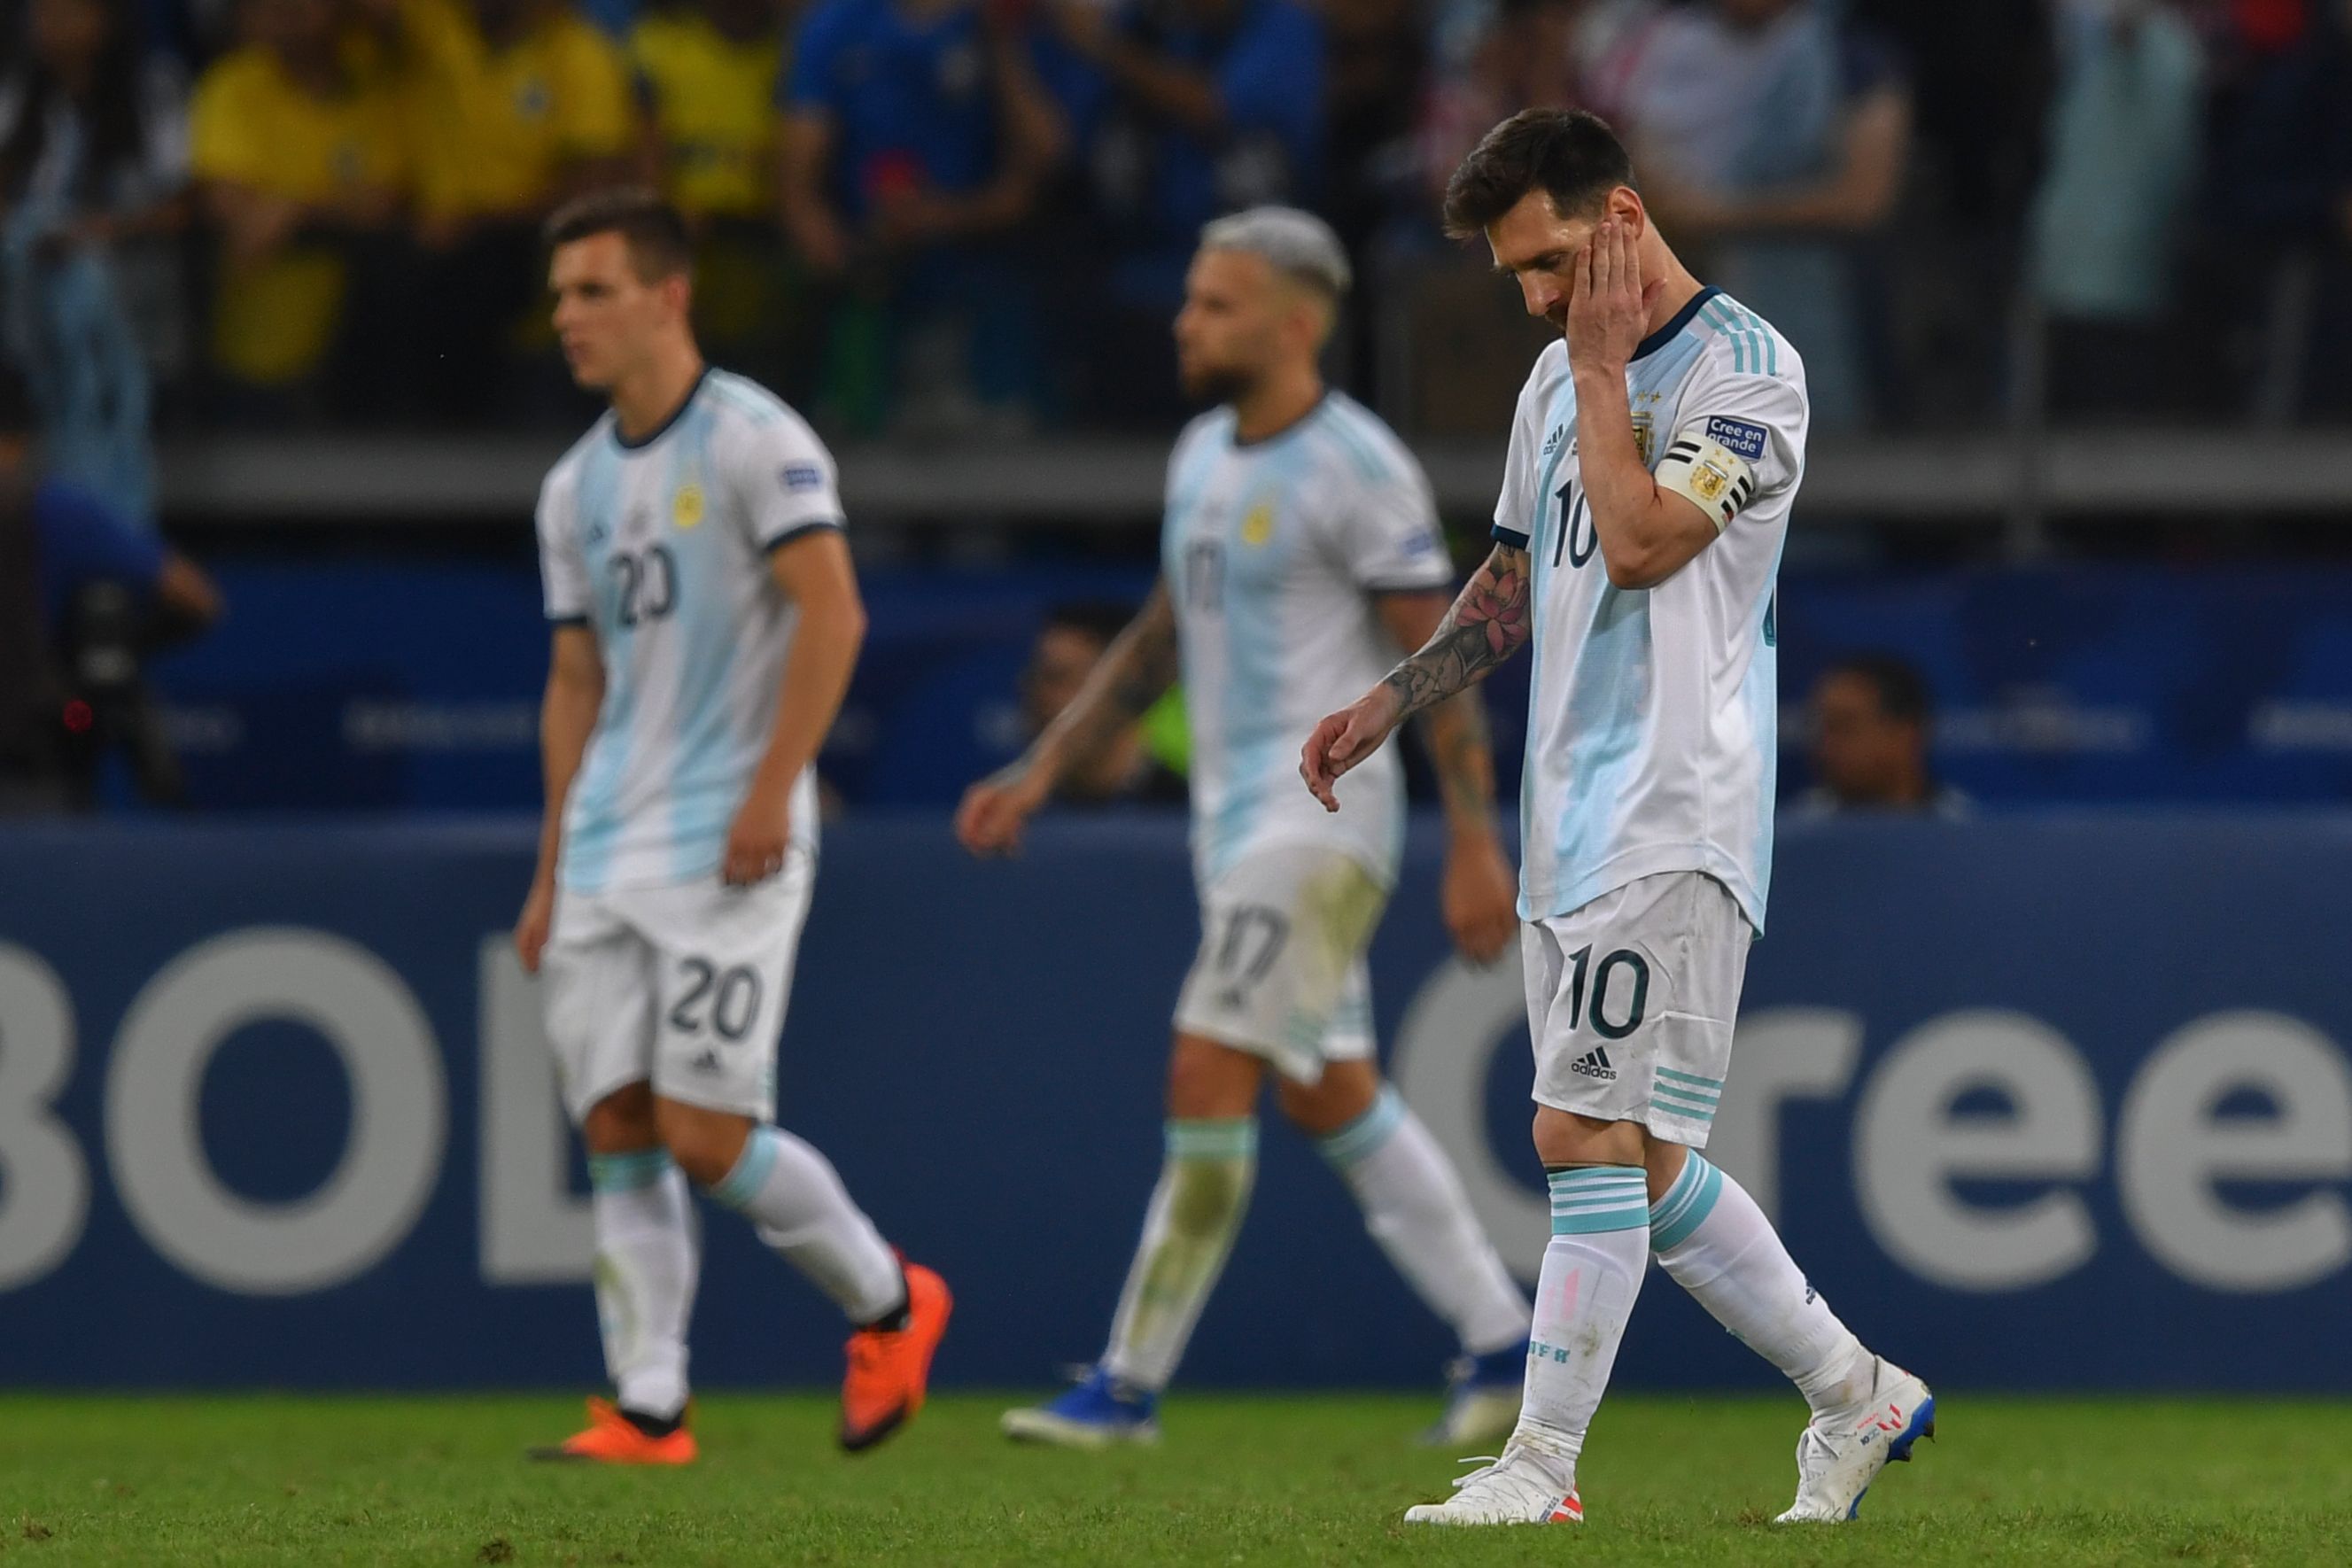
(1268, 439)
(662, 429)
(1682, 319)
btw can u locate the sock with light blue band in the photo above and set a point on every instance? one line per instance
(1686, 1203)
(1212, 1138)
(630, 1173)
(796, 1203)
(1366, 1133)
(1187, 1232)
(750, 1173)
(1592, 1199)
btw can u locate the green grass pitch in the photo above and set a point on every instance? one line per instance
(1320, 1480)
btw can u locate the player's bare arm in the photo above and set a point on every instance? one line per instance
(1133, 673)
(1647, 533)
(1487, 625)
(567, 715)
(1479, 898)
(813, 571)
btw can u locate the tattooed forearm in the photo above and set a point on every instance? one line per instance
(1139, 665)
(1485, 627)
(1460, 753)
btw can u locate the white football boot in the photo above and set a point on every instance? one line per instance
(1521, 1488)
(1839, 1456)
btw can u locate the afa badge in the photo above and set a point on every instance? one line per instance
(1709, 482)
(1258, 526)
(685, 507)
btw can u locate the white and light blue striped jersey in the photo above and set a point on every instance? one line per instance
(1274, 552)
(661, 547)
(1652, 720)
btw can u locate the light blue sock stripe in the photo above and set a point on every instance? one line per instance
(1590, 1200)
(630, 1173)
(1223, 1138)
(1674, 1230)
(1366, 1133)
(750, 1173)
(1593, 1181)
(1671, 1208)
(1667, 1208)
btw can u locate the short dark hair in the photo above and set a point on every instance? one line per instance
(1570, 156)
(1901, 689)
(655, 231)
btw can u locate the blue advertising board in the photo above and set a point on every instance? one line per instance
(338, 685)
(2049, 1101)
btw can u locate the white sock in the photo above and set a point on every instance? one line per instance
(1591, 1272)
(796, 1201)
(1415, 1208)
(1196, 1211)
(648, 1255)
(1710, 1236)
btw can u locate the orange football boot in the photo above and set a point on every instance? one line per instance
(889, 1369)
(611, 1439)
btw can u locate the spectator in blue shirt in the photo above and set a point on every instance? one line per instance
(915, 136)
(1190, 109)
(1181, 110)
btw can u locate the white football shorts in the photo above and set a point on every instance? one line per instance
(1281, 973)
(681, 987)
(1631, 1000)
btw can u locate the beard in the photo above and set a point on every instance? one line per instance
(1221, 385)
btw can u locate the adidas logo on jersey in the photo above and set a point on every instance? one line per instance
(1551, 442)
(1595, 1064)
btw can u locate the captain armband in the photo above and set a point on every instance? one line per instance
(1717, 478)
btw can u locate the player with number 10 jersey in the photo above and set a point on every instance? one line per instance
(1654, 458)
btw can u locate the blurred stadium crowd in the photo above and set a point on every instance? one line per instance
(969, 218)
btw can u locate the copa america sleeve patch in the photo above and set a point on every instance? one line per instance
(1710, 473)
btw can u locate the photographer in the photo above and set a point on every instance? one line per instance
(85, 595)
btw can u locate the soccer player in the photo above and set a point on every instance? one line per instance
(1653, 462)
(1300, 554)
(705, 621)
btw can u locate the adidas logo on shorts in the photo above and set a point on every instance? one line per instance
(1595, 1064)
(709, 1062)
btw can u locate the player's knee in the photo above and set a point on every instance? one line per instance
(621, 1122)
(702, 1161)
(1207, 1080)
(704, 1144)
(1343, 1094)
(1563, 1138)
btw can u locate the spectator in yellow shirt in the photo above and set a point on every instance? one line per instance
(513, 106)
(296, 144)
(706, 73)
